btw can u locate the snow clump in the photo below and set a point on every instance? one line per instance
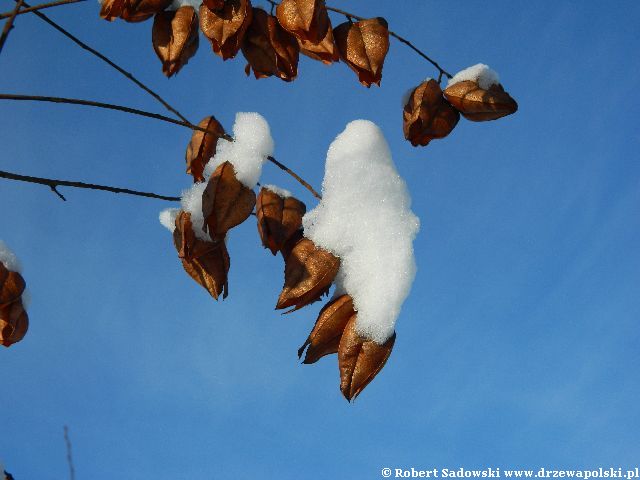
(480, 73)
(365, 219)
(278, 191)
(9, 259)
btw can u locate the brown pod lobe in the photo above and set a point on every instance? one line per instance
(175, 38)
(308, 20)
(278, 218)
(14, 323)
(226, 25)
(480, 105)
(202, 147)
(12, 285)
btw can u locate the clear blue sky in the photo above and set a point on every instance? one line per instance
(519, 345)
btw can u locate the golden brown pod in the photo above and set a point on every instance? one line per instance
(226, 202)
(225, 26)
(14, 323)
(12, 285)
(360, 360)
(202, 147)
(324, 51)
(427, 115)
(308, 274)
(279, 218)
(175, 38)
(480, 105)
(269, 48)
(132, 10)
(324, 339)
(308, 20)
(363, 46)
(206, 262)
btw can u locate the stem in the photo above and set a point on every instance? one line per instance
(67, 441)
(294, 175)
(54, 184)
(9, 24)
(40, 7)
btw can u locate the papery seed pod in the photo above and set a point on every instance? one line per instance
(427, 115)
(226, 202)
(327, 332)
(269, 48)
(132, 10)
(478, 104)
(363, 46)
(12, 285)
(308, 20)
(308, 274)
(202, 147)
(360, 359)
(278, 218)
(14, 323)
(324, 51)
(206, 262)
(225, 26)
(175, 38)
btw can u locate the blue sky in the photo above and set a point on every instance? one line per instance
(518, 346)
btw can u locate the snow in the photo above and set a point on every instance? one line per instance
(278, 191)
(365, 219)
(176, 4)
(480, 73)
(252, 145)
(9, 259)
(192, 202)
(168, 218)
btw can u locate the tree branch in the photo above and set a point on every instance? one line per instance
(9, 23)
(54, 184)
(112, 64)
(39, 7)
(294, 175)
(67, 441)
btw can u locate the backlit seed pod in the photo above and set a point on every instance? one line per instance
(206, 262)
(325, 336)
(226, 202)
(308, 274)
(480, 105)
(14, 323)
(363, 46)
(269, 48)
(175, 38)
(132, 10)
(226, 25)
(279, 218)
(360, 360)
(12, 285)
(308, 20)
(325, 50)
(202, 147)
(427, 115)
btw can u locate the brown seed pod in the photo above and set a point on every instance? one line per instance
(206, 262)
(324, 339)
(14, 323)
(324, 51)
(202, 147)
(279, 218)
(363, 46)
(225, 25)
(175, 38)
(226, 202)
(427, 115)
(360, 360)
(308, 273)
(269, 48)
(308, 20)
(480, 105)
(12, 285)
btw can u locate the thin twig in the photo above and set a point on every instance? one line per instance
(40, 7)
(9, 23)
(8, 475)
(294, 175)
(108, 106)
(112, 64)
(54, 184)
(72, 471)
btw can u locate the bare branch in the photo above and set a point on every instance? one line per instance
(72, 471)
(294, 175)
(54, 184)
(40, 7)
(112, 64)
(9, 23)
